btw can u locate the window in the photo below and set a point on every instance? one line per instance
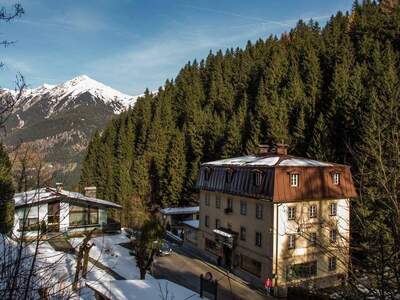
(243, 207)
(312, 211)
(291, 212)
(207, 199)
(83, 215)
(217, 223)
(211, 246)
(207, 221)
(336, 178)
(332, 263)
(291, 241)
(258, 239)
(217, 201)
(303, 270)
(28, 224)
(294, 180)
(333, 209)
(313, 238)
(242, 233)
(250, 265)
(257, 177)
(229, 204)
(333, 235)
(259, 211)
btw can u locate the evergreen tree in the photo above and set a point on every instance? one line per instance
(319, 148)
(175, 169)
(6, 193)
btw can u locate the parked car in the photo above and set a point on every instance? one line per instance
(165, 250)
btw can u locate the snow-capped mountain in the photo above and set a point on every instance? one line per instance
(59, 120)
(66, 95)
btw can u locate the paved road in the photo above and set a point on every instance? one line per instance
(183, 268)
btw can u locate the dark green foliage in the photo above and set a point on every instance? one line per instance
(329, 92)
(146, 243)
(313, 88)
(6, 192)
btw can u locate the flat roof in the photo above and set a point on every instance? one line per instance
(192, 223)
(180, 210)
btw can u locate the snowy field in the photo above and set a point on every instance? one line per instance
(57, 269)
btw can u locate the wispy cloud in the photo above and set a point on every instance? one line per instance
(72, 20)
(168, 51)
(233, 14)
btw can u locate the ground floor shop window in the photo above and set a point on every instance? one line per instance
(211, 246)
(303, 270)
(250, 265)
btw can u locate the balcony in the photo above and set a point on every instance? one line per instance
(225, 236)
(228, 210)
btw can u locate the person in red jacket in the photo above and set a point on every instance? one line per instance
(268, 285)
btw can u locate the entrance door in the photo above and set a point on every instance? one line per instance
(53, 217)
(227, 256)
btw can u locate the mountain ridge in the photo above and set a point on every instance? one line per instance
(57, 121)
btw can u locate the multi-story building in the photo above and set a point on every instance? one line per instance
(277, 216)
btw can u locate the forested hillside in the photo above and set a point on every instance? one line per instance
(315, 88)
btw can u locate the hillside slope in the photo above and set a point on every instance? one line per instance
(58, 121)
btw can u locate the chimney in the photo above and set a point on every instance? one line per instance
(264, 149)
(59, 186)
(281, 148)
(90, 191)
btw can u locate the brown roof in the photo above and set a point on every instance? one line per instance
(315, 178)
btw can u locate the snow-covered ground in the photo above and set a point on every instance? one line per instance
(108, 252)
(57, 270)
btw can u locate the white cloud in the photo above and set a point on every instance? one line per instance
(161, 57)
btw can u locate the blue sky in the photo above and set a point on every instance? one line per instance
(131, 45)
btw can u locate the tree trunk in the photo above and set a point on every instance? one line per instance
(142, 274)
(78, 268)
(86, 260)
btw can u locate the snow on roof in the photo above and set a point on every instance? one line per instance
(242, 160)
(269, 161)
(46, 194)
(303, 162)
(141, 289)
(33, 196)
(192, 223)
(180, 210)
(223, 233)
(79, 196)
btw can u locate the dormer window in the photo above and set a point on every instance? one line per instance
(207, 173)
(229, 175)
(336, 178)
(294, 179)
(257, 177)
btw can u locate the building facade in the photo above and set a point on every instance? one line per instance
(58, 210)
(277, 216)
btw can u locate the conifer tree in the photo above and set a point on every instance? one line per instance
(175, 169)
(318, 148)
(6, 193)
